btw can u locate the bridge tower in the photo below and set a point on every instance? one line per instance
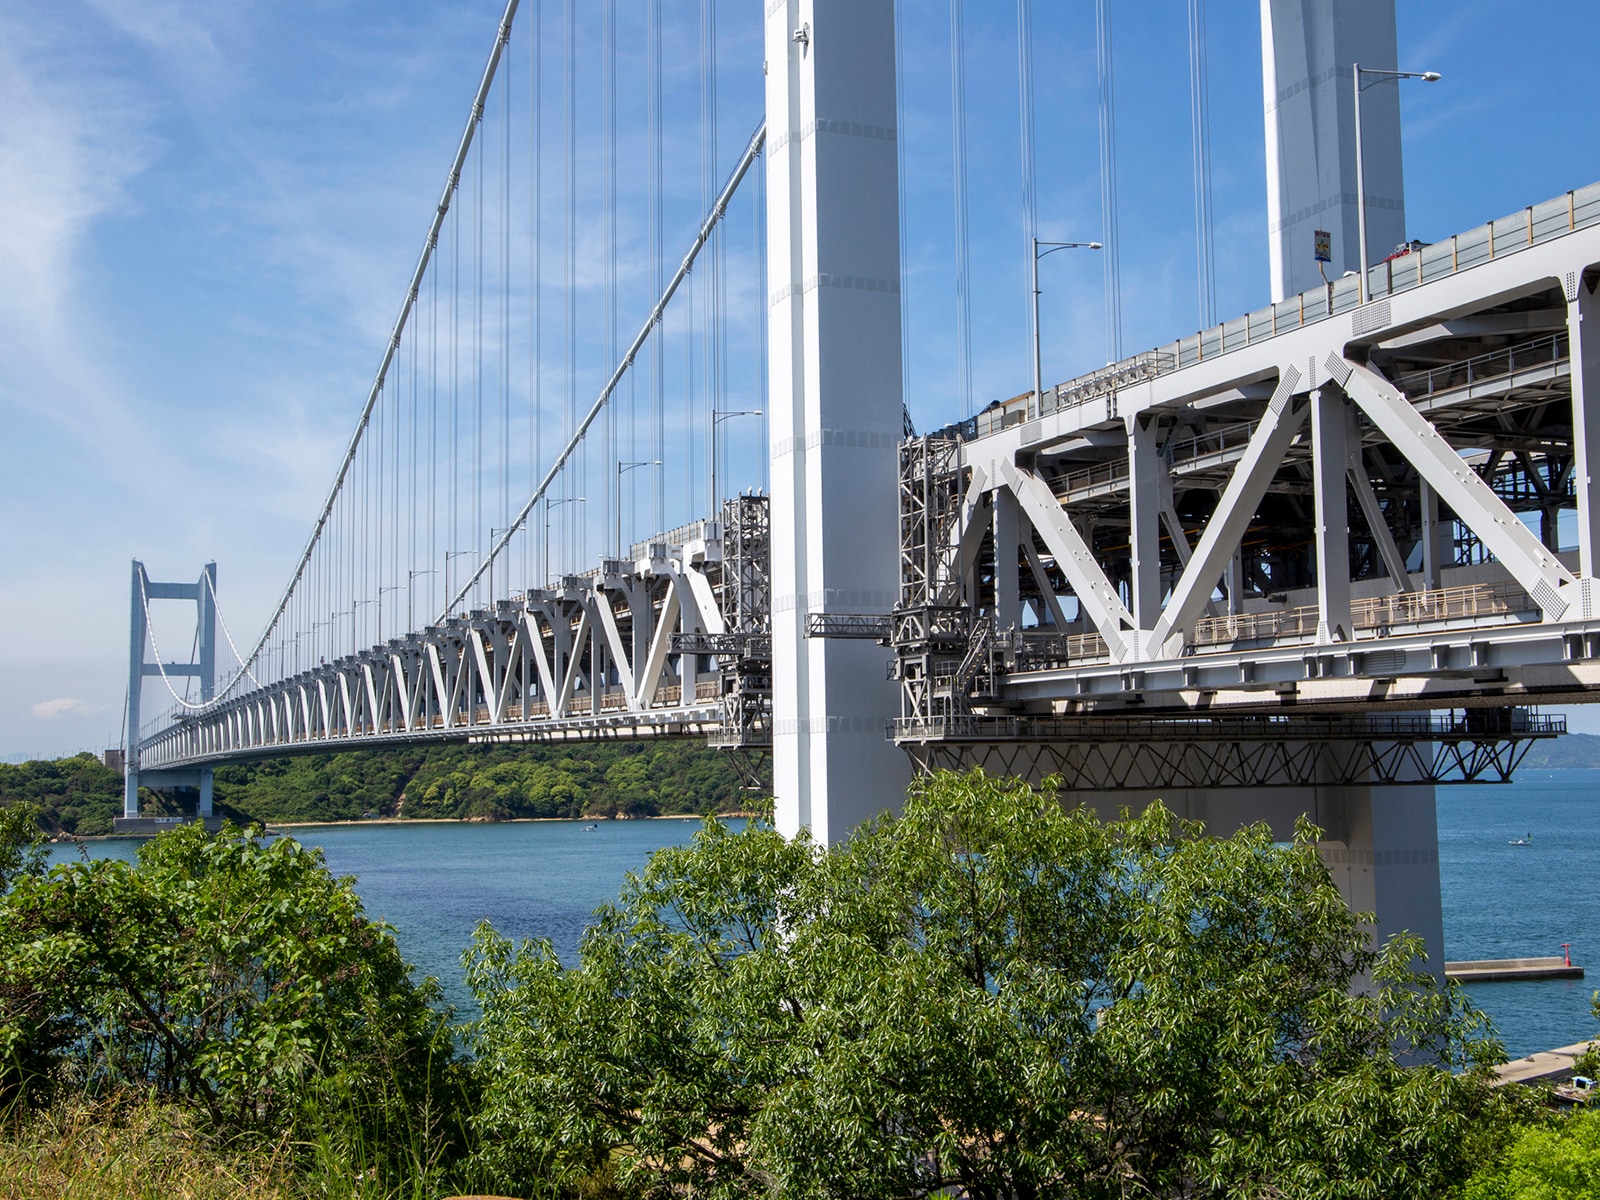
(1307, 50)
(834, 370)
(203, 593)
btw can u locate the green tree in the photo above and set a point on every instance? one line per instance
(230, 974)
(985, 994)
(22, 843)
(1549, 1161)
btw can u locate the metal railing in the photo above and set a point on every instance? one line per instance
(1532, 226)
(1466, 725)
(1494, 365)
(1377, 613)
(702, 530)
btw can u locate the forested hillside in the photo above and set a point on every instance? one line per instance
(80, 795)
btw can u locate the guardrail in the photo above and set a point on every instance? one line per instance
(1470, 725)
(1532, 226)
(1464, 602)
(1494, 365)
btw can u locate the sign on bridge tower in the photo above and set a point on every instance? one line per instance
(203, 594)
(834, 368)
(1308, 48)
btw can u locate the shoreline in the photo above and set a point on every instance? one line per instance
(271, 825)
(281, 826)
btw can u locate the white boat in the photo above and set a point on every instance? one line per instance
(1527, 841)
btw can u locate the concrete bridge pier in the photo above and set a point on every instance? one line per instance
(1380, 842)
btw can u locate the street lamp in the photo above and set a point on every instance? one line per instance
(1050, 248)
(548, 505)
(622, 469)
(493, 533)
(718, 416)
(411, 578)
(395, 587)
(1356, 72)
(448, 555)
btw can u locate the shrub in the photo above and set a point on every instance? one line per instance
(233, 976)
(988, 995)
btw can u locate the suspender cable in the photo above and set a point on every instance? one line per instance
(1200, 118)
(759, 204)
(658, 364)
(536, 257)
(1030, 197)
(505, 305)
(502, 35)
(751, 152)
(570, 194)
(613, 451)
(958, 148)
(900, 152)
(477, 526)
(1108, 179)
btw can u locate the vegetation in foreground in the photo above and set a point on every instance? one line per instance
(984, 996)
(81, 796)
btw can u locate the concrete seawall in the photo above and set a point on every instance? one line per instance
(1492, 970)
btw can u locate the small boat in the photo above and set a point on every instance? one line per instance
(1580, 1091)
(1527, 841)
(590, 828)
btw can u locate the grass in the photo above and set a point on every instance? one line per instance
(130, 1147)
(121, 1150)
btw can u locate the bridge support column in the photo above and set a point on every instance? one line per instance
(1380, 844)
(1435, 548)
(1583, 332)
(834, 369)
(1007, 553)
(1144, 519)
(1382, 850)
(1329, 454)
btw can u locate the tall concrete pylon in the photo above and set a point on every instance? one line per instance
(1307, 51)
(203, 594)
(834, 369)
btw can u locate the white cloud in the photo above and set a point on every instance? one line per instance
(63, 166)
(65, 706)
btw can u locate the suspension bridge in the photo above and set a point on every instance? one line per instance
(1318, 558)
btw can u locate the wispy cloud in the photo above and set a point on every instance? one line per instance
(65, 706)
(65, 164)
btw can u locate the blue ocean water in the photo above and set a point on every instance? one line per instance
(1504, 901)
(434, 883)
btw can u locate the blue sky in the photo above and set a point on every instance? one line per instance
(208, 213)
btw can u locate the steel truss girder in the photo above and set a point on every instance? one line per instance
(595, 654)
(1146, 765)
(1537, 569)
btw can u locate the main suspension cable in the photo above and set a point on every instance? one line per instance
(713, 218)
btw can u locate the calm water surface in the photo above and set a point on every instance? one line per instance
(434, 883)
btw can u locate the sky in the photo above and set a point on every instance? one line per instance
(209, 212)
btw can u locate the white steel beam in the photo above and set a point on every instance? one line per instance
(1329, 457)
(1236, 507)
(1074, 556)
(1537, 569)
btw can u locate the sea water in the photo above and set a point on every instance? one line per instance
(435, 882)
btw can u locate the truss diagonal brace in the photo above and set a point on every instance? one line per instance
(1251, 477)
(1073, 555)
(1507, 538)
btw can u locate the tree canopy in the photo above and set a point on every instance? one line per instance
(984, 993)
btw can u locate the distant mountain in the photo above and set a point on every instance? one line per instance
(1571, 750)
